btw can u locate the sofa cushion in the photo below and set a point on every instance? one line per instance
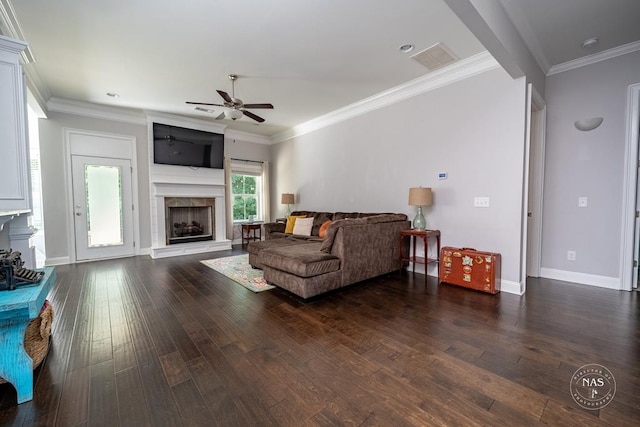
(258, 246)
(320, 218)
(304, 260)
(303, 226)
(291, 222)
(327, 243)
(345, 215)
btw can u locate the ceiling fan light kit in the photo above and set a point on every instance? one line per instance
(236, 108)
(233, 114)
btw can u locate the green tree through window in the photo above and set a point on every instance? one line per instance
(245, 190)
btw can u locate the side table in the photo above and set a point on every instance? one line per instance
(249, 232)
(17, 308)
(424, 235)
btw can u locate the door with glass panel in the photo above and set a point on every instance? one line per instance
(102, 207)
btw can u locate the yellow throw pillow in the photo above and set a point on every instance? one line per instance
(291, 222)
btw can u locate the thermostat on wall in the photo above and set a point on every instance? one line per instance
(442, 175)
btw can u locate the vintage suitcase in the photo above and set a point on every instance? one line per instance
(470, 268)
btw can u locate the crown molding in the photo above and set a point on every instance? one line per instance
(11, 28)
(96, 111)
(247, 137)
(455, 72)
(596, 57)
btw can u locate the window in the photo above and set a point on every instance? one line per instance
(246, 191)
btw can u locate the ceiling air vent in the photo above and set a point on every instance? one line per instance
(206, 110)
(435, 57)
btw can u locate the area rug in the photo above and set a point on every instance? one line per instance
(237, 268)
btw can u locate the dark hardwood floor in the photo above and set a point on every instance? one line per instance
(171, 342)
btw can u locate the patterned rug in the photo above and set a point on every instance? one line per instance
(237, 268)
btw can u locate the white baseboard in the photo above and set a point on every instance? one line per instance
(581, 278)
(57, 261)
(145, 251)
(505, 285)
(513, 287)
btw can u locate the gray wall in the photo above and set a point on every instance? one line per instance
(53, 173)
(473, 130)
(587, 164)
(55, 205)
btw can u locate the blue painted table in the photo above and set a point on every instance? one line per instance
(17, 308)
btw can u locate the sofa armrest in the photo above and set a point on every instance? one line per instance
(273, 227)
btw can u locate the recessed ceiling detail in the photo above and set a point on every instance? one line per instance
(435, 56)
(406, 48)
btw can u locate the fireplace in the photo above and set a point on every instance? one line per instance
(189, 219)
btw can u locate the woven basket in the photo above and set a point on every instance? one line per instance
(36, 337)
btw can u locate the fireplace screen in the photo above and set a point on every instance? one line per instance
(189, 219)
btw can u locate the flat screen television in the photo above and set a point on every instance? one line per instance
(173, 145)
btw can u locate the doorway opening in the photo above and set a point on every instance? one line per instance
(37, 215)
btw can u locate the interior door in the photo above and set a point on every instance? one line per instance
(102, 207)
(636, 249)
(535, 184)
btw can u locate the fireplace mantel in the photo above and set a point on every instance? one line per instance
(185, 188)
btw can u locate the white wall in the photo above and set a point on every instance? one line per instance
(472, 129)
(586, 164)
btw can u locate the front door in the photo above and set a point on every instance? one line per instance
(102, 207)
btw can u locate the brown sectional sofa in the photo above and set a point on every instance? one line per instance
(358, 246)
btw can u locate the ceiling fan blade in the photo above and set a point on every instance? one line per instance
(253, 116)
(220, 116)
(204, 103)
(258, 106)
(225, 96)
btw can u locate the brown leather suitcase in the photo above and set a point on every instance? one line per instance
(470, 268)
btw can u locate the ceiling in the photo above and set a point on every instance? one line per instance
(307, 58)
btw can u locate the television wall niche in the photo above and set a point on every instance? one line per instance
(174, 145)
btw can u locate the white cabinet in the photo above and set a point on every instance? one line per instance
(15, 181)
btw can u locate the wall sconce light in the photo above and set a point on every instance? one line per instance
(586, 125)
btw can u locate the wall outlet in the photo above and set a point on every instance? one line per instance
(443, 175)
(582, 202)
(571, 255)
(480, 202)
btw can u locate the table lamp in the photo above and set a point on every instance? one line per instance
(288, 199)
(420, 196)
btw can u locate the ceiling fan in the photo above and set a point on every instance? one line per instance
(236, 107)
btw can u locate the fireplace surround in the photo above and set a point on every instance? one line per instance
(184, 194)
